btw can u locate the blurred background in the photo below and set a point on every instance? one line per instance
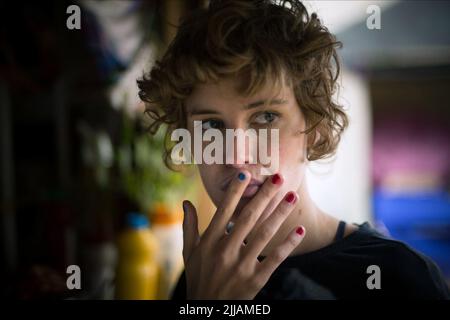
(82, 181)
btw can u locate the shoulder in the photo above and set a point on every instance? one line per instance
(406, 269)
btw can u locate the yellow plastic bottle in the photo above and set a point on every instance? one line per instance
(168, 230)
(137, 268)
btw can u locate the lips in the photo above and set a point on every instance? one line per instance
(251, 189)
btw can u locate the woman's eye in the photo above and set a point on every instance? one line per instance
(266, 117)
(212, 124)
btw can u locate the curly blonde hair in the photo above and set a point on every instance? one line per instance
(262, 41)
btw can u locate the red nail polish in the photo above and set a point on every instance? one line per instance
(276, 179)
(290, 197)
(300, 231)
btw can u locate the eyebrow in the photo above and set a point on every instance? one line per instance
(262, 102)
(256, 104)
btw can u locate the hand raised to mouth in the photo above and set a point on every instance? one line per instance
(218, 265)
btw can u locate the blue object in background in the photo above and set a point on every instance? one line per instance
(421, 220)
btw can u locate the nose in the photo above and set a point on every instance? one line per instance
(241, 148)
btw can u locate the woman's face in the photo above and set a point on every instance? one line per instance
(219, 106)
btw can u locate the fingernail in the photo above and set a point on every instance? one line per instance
(276, 179)
(241, 176)
(300, 230)
(290, 197)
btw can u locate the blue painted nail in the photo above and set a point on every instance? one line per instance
(241, 176)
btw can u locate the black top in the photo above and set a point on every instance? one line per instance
(340, 270)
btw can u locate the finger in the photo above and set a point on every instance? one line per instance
(225, 210)
(265, 268)
(263, 217)
(253, 209)
(190, 229)
(266, 231)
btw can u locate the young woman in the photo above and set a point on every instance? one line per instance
(266, 65)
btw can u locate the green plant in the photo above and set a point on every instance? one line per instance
(143, 175)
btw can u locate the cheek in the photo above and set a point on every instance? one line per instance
(292, 159)
(292, 151)
(212, 178)
(208, 175)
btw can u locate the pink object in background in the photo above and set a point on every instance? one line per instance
(414, 145)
